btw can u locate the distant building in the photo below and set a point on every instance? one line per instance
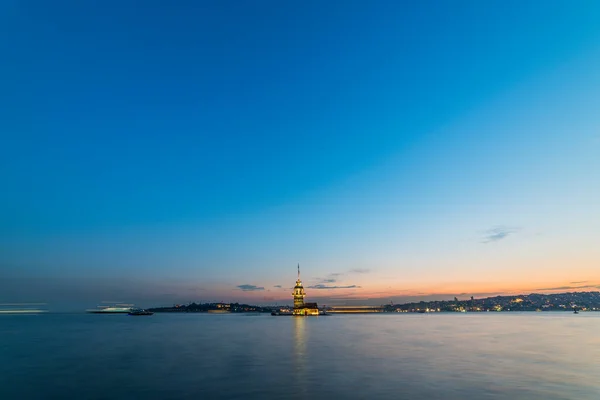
(300, 307)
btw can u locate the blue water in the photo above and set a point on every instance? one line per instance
(199, 356)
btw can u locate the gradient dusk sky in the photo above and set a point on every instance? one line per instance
(160, 152)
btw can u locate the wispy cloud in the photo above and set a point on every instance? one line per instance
(277, 286)
(360, 271)
(336, 276)
(571, 287)
(577, 282)
(321, 286)
(497, 233)
(250, 288)
(331, 278)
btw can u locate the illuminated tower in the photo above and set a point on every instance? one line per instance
(298, 293)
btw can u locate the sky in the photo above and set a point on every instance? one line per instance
(165, 152)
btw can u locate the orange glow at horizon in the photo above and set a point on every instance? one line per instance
(440, 291)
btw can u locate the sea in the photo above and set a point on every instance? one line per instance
(547, 355)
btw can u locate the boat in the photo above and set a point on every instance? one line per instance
(118, 309)
(22, 308)
(140, 312)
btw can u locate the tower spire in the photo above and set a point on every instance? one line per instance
(298, 270)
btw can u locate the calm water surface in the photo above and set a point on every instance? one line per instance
(199, 356)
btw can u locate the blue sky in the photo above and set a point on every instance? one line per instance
(159, 152)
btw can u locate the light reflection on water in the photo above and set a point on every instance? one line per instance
(445, 356)
(300, 357)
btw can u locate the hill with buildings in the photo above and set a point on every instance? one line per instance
(584, 301)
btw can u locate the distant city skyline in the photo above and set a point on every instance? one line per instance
(197, 151)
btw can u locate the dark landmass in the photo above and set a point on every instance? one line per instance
(213, 307)
(582, 301)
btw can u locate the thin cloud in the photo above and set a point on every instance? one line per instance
(250, 288)
(334, 276)
(277, 286)
(321, 286)
(331, 278)
(571, 287)
(498, 233)
(577, 282)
